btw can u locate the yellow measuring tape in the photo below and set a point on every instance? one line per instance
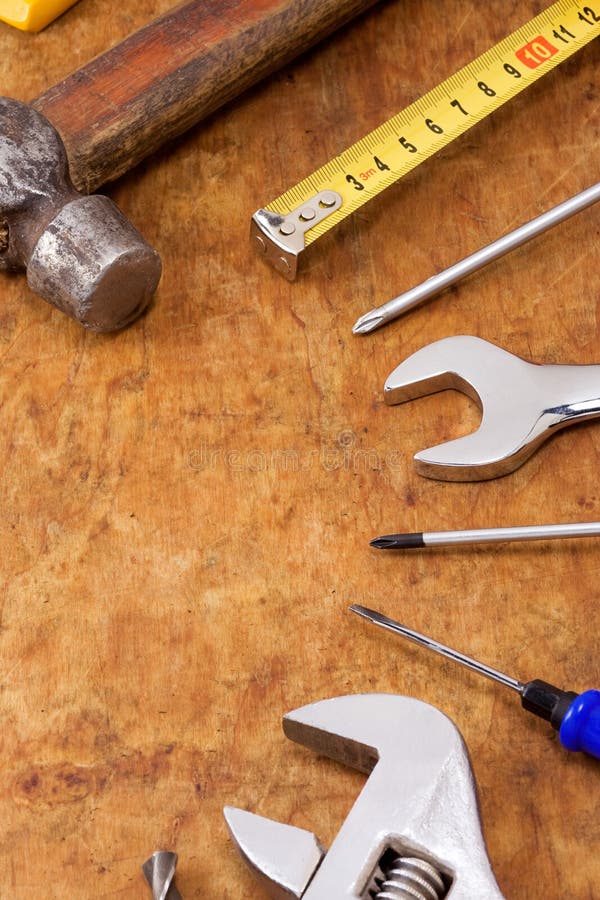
(302, 214)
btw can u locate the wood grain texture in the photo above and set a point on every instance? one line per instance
(186, 507)
(174, 72)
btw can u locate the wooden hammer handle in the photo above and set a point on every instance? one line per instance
(175, 71)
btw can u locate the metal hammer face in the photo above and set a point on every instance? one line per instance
(81, 254)
(522, 404)
(414, 830)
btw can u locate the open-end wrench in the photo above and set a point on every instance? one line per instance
(522, 404)
(414, 831)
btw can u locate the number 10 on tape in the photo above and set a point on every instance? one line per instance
(284, 228)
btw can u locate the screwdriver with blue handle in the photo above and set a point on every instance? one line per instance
(576, 717)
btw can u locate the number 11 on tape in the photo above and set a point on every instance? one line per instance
(284, 228)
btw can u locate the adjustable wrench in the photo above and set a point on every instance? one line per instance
(522, 404)
(414, 830)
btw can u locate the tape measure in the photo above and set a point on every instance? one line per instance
(283, 229)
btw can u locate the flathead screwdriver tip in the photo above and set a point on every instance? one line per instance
(576, 717)
(364, 611)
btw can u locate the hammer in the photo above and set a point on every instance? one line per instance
(81, 254)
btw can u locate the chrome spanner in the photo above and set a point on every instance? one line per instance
(414, 831)
(522, 403)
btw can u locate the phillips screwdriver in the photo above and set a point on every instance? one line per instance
(415, 539)
(576, 717)
(417, 295)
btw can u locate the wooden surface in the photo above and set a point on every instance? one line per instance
(186, 507)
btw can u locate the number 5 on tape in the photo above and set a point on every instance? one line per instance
(283, 229)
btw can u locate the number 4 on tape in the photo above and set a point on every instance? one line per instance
(283, 229)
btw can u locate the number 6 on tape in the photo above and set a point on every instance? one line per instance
(283, 229)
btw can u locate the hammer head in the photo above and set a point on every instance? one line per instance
(81, 254)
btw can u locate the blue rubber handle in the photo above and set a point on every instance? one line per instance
(580, 727)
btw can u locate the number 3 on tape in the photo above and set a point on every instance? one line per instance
(283, 229)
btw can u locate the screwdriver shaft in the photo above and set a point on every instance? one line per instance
(576, 717)
(486, 535)
(378, 619)
(422, 292)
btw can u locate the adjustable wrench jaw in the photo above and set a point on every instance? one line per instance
(522, 404)
(282, 857)
(418, 803)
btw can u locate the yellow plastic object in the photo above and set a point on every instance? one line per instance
(32, 15)
(429, 124)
